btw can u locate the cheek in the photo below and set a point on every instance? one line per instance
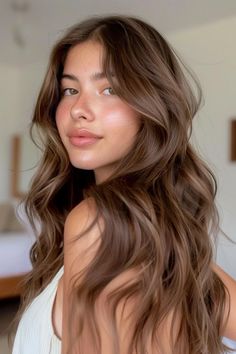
(60, 116)
(125, 127)
(121, 118)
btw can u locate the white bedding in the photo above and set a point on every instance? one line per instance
(14, 253)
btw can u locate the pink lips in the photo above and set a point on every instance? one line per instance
(82, 137)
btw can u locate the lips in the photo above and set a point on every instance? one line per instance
(82, 137)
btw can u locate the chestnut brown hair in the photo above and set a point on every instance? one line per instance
(158, 206)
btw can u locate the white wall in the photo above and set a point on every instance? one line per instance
(210, 51)
(18, 95)
(31, 77)
(11, 121)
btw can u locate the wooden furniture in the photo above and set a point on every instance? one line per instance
(14, 246)
(233, 140)
(14, 261)
(25, 157)
(15, 167)
(11, 286)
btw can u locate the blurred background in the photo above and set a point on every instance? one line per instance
(203, 33)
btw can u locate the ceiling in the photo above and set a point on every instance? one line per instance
(46, 20)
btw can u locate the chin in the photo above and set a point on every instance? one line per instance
(83, 165)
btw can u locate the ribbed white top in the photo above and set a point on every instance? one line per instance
(35, 332)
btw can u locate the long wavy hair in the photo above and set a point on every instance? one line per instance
(158, 207)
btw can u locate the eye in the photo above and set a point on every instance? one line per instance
(68, 92)
(109, 91)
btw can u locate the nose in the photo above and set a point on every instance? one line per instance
(81, 108)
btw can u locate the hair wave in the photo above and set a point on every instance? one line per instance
(159, 205)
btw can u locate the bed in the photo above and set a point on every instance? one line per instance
(16, 235)
(14, 261)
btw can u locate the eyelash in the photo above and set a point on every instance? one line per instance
(107, 88)
(63, 91)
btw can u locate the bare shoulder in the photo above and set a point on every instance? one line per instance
(82, 233)
(230, 284)
(82, 220)
(80, 217)
(81, 241)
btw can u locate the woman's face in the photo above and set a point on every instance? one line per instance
(96, 127)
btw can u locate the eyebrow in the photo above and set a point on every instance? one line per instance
(93, 77)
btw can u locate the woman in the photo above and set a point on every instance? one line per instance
(123, 262)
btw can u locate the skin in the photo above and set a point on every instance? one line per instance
(92, 104)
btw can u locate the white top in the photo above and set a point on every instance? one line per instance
(35, 332)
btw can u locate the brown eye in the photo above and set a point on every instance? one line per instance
(69, 92)
(109, 90)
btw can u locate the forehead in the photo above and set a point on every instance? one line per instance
(84, 55)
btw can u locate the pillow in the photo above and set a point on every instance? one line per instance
(8, 219)
(23, 218)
